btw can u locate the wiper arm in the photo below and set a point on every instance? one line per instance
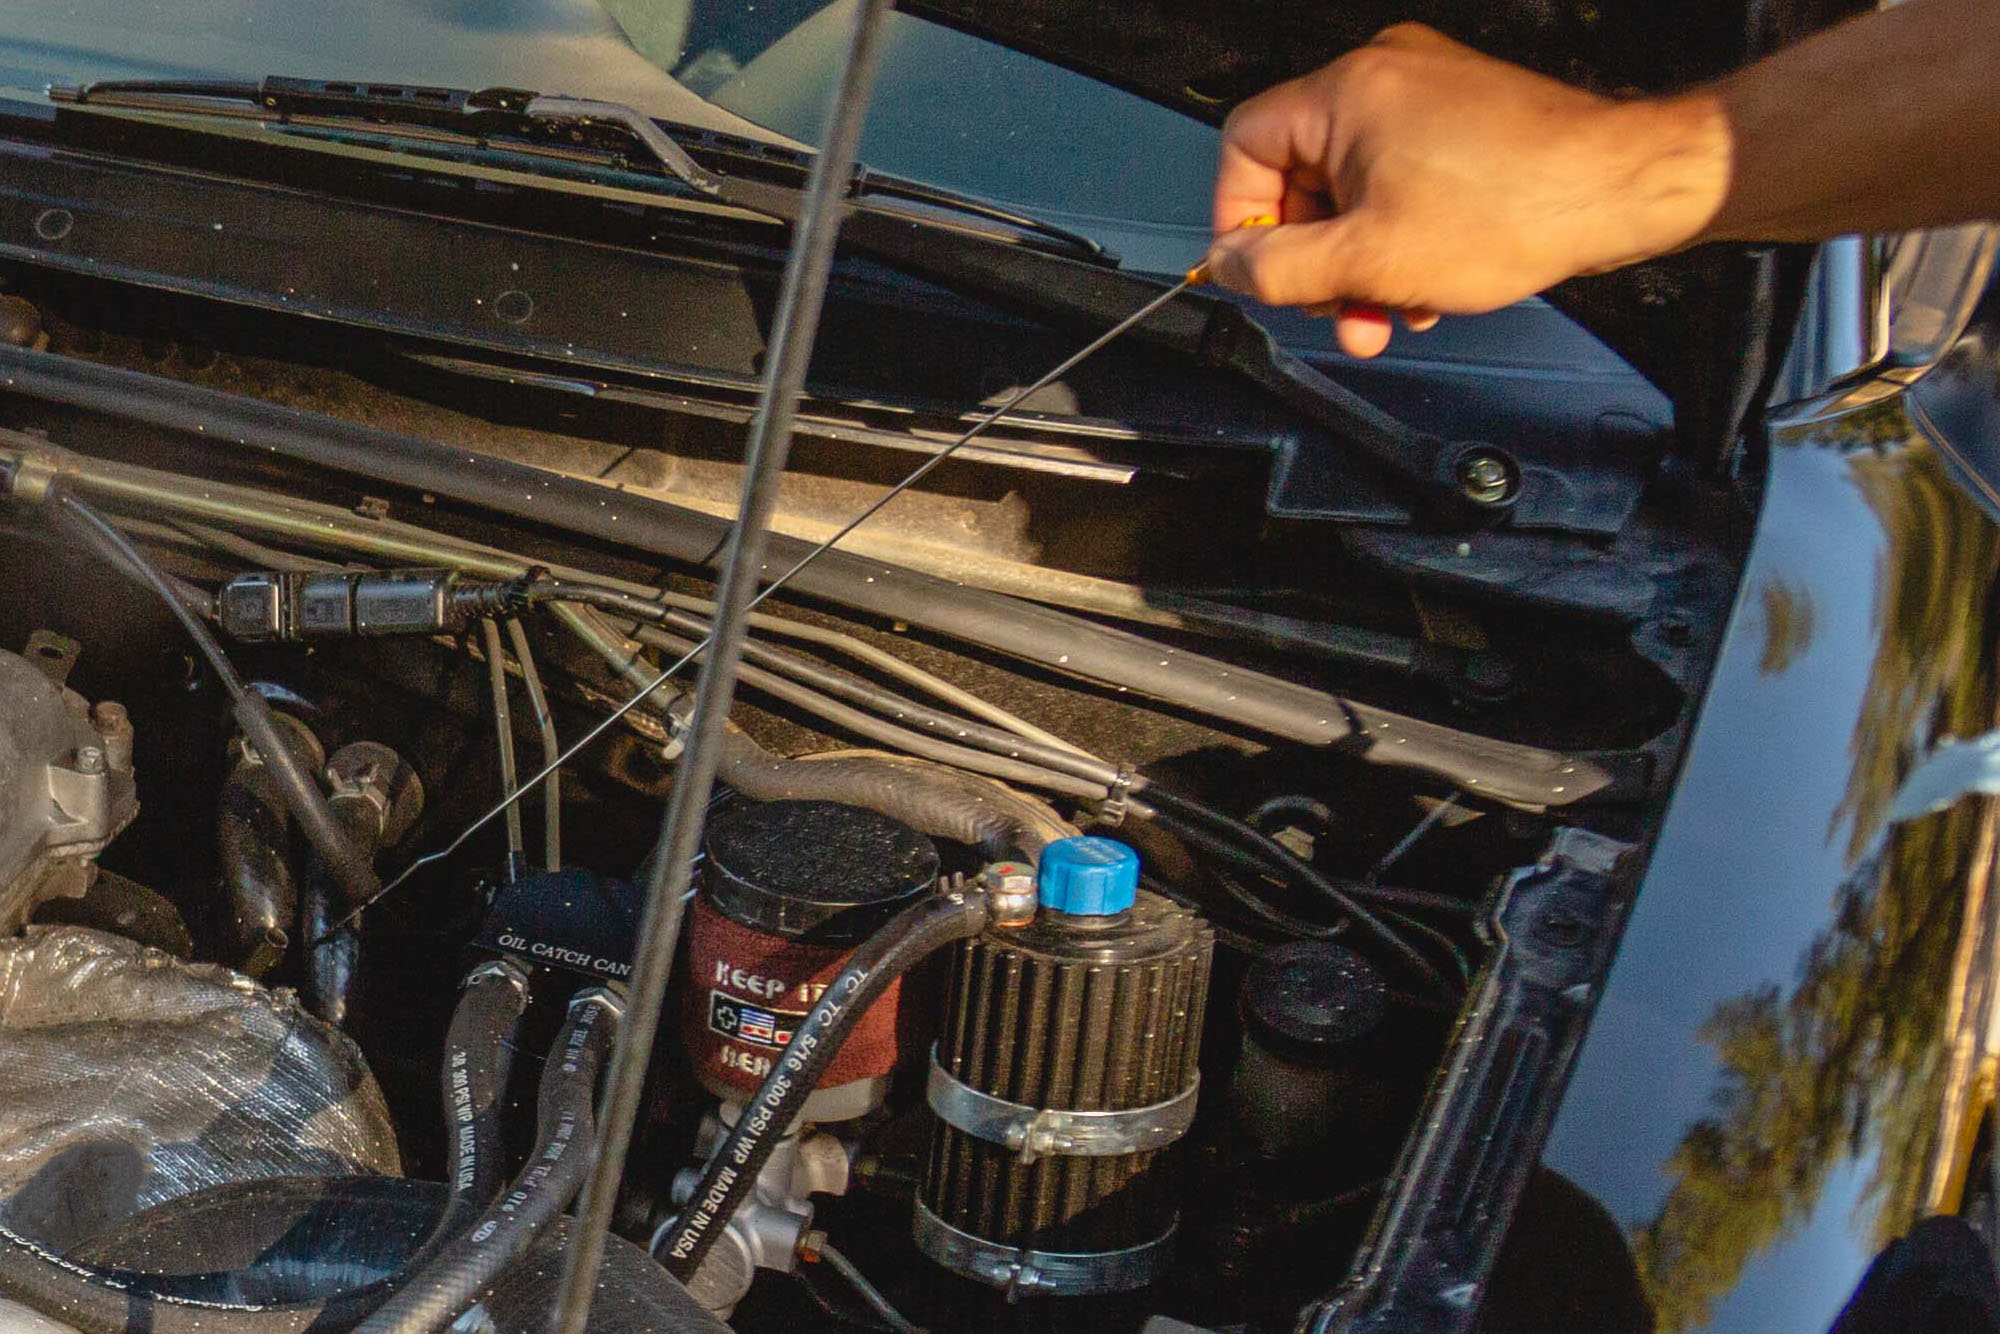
(510, 113)
(866, 183)
(537, 122)
(676, 160)
(1452, 481)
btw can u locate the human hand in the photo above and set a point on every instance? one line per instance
(1418, 175)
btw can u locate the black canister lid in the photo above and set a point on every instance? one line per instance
(1310, 999)
(814, 870)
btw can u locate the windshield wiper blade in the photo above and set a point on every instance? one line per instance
(513, 114)
(541, 122)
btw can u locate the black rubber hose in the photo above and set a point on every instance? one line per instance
(355, 872)
(1196, 824)
(478, 1057)
(1506, 771)
(253, 837)
(115, 1301)
(912, 936)
(440, 1291)
(931, 799)
(333, 958)
(274, 1241)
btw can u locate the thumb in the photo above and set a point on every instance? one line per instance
(1298, 264)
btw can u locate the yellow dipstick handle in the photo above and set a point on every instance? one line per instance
(1199, 274)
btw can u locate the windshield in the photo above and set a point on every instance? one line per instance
(949, 109)
(954, 110)
(550, 46)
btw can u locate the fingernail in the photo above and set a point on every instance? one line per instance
(1364, 310)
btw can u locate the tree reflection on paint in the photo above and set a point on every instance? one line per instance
(1788, 624)
(1849, 1056)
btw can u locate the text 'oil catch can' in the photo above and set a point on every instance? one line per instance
(788, 889)
(1064, 1072)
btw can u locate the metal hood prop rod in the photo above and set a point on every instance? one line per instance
(794, 327)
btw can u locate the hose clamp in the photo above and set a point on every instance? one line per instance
(507, 970)
(610, 996)
(1112, 810)
(1020, 1272)
(38, 467)
(517, 593)
(1034, 1132)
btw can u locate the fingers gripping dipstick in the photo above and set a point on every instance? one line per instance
(1200, 275)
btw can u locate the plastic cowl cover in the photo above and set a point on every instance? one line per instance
(18, 1319)
(129, 1078)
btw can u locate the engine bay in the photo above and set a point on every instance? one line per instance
(1103, 915)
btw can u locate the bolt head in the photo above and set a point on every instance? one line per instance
(1011, 892)
(1005, 877)
(1485, 478)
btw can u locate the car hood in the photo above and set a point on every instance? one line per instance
(1706, 326)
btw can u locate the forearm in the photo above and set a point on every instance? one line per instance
(1418, 174)
(1886, 122)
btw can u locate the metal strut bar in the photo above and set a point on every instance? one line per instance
(794, 328)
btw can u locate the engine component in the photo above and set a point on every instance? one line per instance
(147, 1078)
(253, 714)
(954, 913)
(767, 1228)
(1329, 1077)
(572, 919)
(789, 888)
(65, 780)
(124, 908)
(468, 1267)
(1314, 1019)
(1066, 1070)
(375, 797)
(344, 1250)
(340, 604)
(253, 839)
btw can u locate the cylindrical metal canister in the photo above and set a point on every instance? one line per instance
(1314, 1033)
(788, 889)
(1065, 1070)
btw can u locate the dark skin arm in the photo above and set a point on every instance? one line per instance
(1419, 175)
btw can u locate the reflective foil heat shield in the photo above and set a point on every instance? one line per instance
(1066, 1070)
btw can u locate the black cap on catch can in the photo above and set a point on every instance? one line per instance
(817, 870)
(1311, 1002)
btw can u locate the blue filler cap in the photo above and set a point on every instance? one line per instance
(1088, 877)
